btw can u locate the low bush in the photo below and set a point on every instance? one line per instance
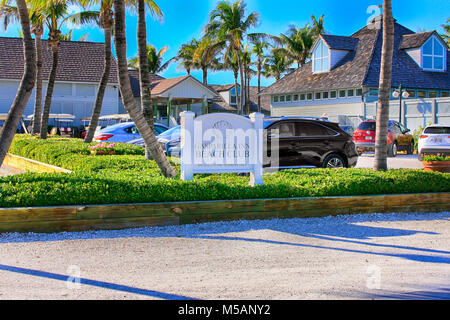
(129, 178)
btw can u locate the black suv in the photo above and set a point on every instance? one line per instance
(308, 142)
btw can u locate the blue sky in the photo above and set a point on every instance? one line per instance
(184, 19)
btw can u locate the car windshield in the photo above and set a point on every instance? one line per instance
(437, 130)
(367, 126)
(173, 132)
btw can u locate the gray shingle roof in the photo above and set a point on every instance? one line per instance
(78, 61)
(415, 40)
(349, 72)
(134, 80)
(361, 67)
(340, 42)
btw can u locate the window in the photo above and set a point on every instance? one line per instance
(445, 94)
(318, 96)
(302, 96)
(159, 130)
(275, 98)
(233, 99)
(295, 97)
(433, 55)
(310, 96)
(333, 94)
(321, 58)
(437, 130)
(288, 98)
(285, 130)
(432, 94)
(422, 94)
(325, 95)
(359, 92)
(282, 98)
(373, 93)
(310, 130)
(412, 94)
(342, 94)
(350, 93)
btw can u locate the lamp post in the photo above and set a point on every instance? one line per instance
(400, 93)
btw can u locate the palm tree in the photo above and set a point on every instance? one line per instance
(10, 13)
(26, 85)
(205, 56)
(385, 88)
(155, 60)
(277, 64)
(318, 26)
(129, 102)
(259, 47)
(230, 63)
(186, 56)
(297, 43)
(229, 23)
(246, 62)
(105, 19)
(56, 16)
(68, 37)
(446, 28)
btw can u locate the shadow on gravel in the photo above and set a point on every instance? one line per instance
(427, 294)
(342, 231)
(95, 283)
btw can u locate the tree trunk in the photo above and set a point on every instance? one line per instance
(101, 89)
(38, 92)
(129, 102)
(385, 88)
(49, 94)
(259, 84)
(241, 72)
(26, 85)
(205, 75)
(236, 90)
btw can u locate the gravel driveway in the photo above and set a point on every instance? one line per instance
(402, 161)
(348, 257)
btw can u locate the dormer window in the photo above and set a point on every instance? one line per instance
(433, 58)
(321, 58)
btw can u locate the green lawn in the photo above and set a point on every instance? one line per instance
(129, 178)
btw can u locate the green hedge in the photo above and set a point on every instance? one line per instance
(129, 178)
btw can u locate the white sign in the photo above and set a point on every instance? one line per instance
(222, 143)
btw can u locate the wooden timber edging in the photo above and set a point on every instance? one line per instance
(111, 217)
(31, 165)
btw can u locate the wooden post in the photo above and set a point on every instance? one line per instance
(169, 111)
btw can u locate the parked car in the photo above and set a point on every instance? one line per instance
(170, 141)
(306, 142)
(434, 140)
(399, 138)
(123, 132)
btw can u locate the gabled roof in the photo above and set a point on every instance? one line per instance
(340, 42)
(415, 40)
(78, 61)
(134, 80)
(361, 67)
(222, 87)
(160, 85)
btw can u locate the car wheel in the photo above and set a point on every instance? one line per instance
(410, 148)
(334, 161)
(392, 150)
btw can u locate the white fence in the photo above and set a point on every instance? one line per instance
(415, 113)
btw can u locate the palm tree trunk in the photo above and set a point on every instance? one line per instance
(26, 85)
(241, 72)
(129, 102)
(101, 89)
(205, 75)
(259, 84)
(49, 94)
(38, 92)
(385, 88)
(236, 90)
(144, 74)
